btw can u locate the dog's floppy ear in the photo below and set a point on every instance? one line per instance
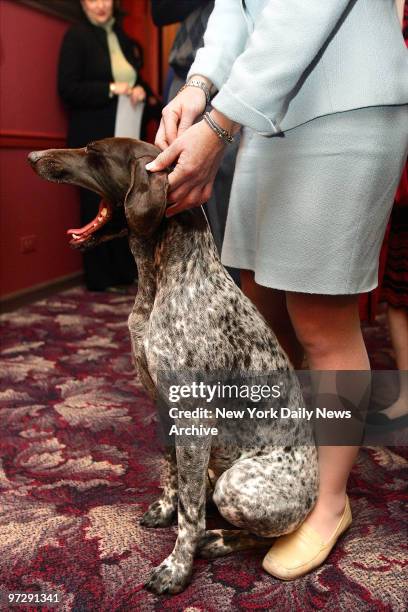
(145, 201)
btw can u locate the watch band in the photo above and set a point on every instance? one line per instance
(201, 85)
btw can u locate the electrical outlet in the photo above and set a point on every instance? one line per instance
(28, 244)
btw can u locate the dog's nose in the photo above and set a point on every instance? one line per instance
(34, 156)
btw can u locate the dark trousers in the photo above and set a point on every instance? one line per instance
(110, 263)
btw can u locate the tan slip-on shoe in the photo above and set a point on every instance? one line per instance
(297, 553)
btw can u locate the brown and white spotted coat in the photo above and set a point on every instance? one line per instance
(190, 315)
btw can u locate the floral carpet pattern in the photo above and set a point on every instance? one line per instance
(80, 461)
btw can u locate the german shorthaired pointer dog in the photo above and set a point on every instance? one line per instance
(189, 314)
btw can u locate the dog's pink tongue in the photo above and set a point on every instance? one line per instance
(100, 220)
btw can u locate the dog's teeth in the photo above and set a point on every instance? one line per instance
(104, 212)
(75, 236)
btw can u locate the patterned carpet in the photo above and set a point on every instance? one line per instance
(80, 461)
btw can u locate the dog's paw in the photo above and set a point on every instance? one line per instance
(169, 577)
(158, 515)
(212, 550)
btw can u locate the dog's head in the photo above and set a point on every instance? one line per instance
(114, 168)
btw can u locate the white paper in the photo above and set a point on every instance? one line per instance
(128, 118)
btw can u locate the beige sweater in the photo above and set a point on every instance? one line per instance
(122, 71)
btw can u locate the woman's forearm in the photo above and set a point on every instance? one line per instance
(223, 121)
(224, 40)
(287, 37)
(227, 124)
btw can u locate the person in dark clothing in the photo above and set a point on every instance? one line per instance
(98, 62)
(165, 12)
(193, 15)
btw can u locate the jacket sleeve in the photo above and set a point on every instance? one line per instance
(165, 12)
(224, 39)
(75, 91)
(287, 38)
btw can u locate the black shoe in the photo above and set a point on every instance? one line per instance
(96, 289)
(380, 419)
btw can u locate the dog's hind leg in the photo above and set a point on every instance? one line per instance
(219, 542)
(269, 495)
(162, 512)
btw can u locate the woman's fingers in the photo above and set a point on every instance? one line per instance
(198, 154)
(181, 113)
(178, 194)
(175, 209)
(207, 191)
(178, 208)
(170, 118)
(194, 198)
(165, 158)
(190, 189)
(184, 172)
(160, 140)
(187, 119)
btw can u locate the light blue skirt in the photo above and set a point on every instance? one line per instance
(309, 209)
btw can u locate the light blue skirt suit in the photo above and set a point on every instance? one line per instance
(321, 88)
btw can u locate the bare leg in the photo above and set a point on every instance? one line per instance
(398, 326)
(329, 329)
(271, 303)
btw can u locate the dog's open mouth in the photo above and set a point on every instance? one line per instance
(81, 235)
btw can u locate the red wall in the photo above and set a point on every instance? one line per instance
(31, 118)
(139, 25)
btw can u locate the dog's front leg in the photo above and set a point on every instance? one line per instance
(173, 574)
(162, 511)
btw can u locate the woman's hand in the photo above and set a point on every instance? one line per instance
(198, 152)
(179, 115)
(122, 89)
(137, 95)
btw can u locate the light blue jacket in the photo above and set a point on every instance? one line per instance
(280, 63)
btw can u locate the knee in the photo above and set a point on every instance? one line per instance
(324, 324)
(313, 336)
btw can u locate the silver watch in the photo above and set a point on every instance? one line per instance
(201, 85)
